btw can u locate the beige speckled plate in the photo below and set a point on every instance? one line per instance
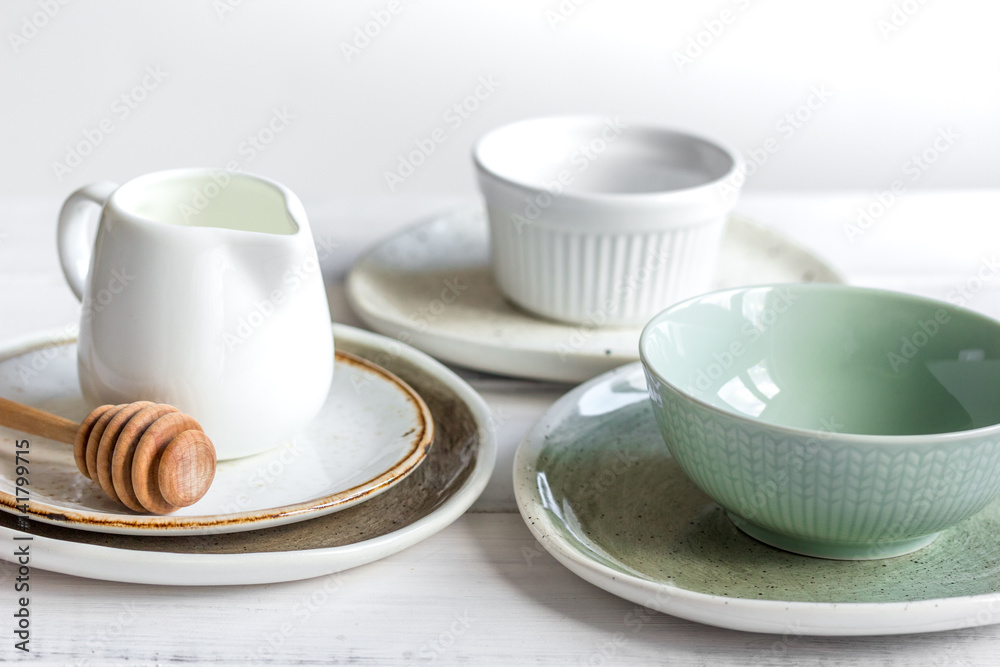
(372, 432)
(444, 264)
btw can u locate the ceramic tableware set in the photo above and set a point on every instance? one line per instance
(754, 445)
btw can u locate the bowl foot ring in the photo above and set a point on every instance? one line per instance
(865, 551)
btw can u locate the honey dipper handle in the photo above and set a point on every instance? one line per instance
(37, 422)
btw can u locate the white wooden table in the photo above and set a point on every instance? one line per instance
(480, 592)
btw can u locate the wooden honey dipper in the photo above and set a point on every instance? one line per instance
(148, 456)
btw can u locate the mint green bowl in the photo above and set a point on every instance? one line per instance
(830, 420)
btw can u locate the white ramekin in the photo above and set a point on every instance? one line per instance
(597, 222)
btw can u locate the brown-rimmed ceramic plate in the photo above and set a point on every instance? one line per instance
(372, 432)
(457, 468)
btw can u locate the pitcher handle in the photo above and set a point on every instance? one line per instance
(75, 237)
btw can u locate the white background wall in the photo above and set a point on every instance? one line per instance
(892, 88)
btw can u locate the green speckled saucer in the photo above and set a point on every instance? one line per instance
(598, 488)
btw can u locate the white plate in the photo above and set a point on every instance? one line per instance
(371, 433)
(597, 487)
(455, 472)
(432, 287)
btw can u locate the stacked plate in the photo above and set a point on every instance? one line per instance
(401, 448)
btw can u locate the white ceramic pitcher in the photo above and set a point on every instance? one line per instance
(201, 290)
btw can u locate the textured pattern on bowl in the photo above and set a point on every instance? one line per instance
(851, 500)
(817, 491)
